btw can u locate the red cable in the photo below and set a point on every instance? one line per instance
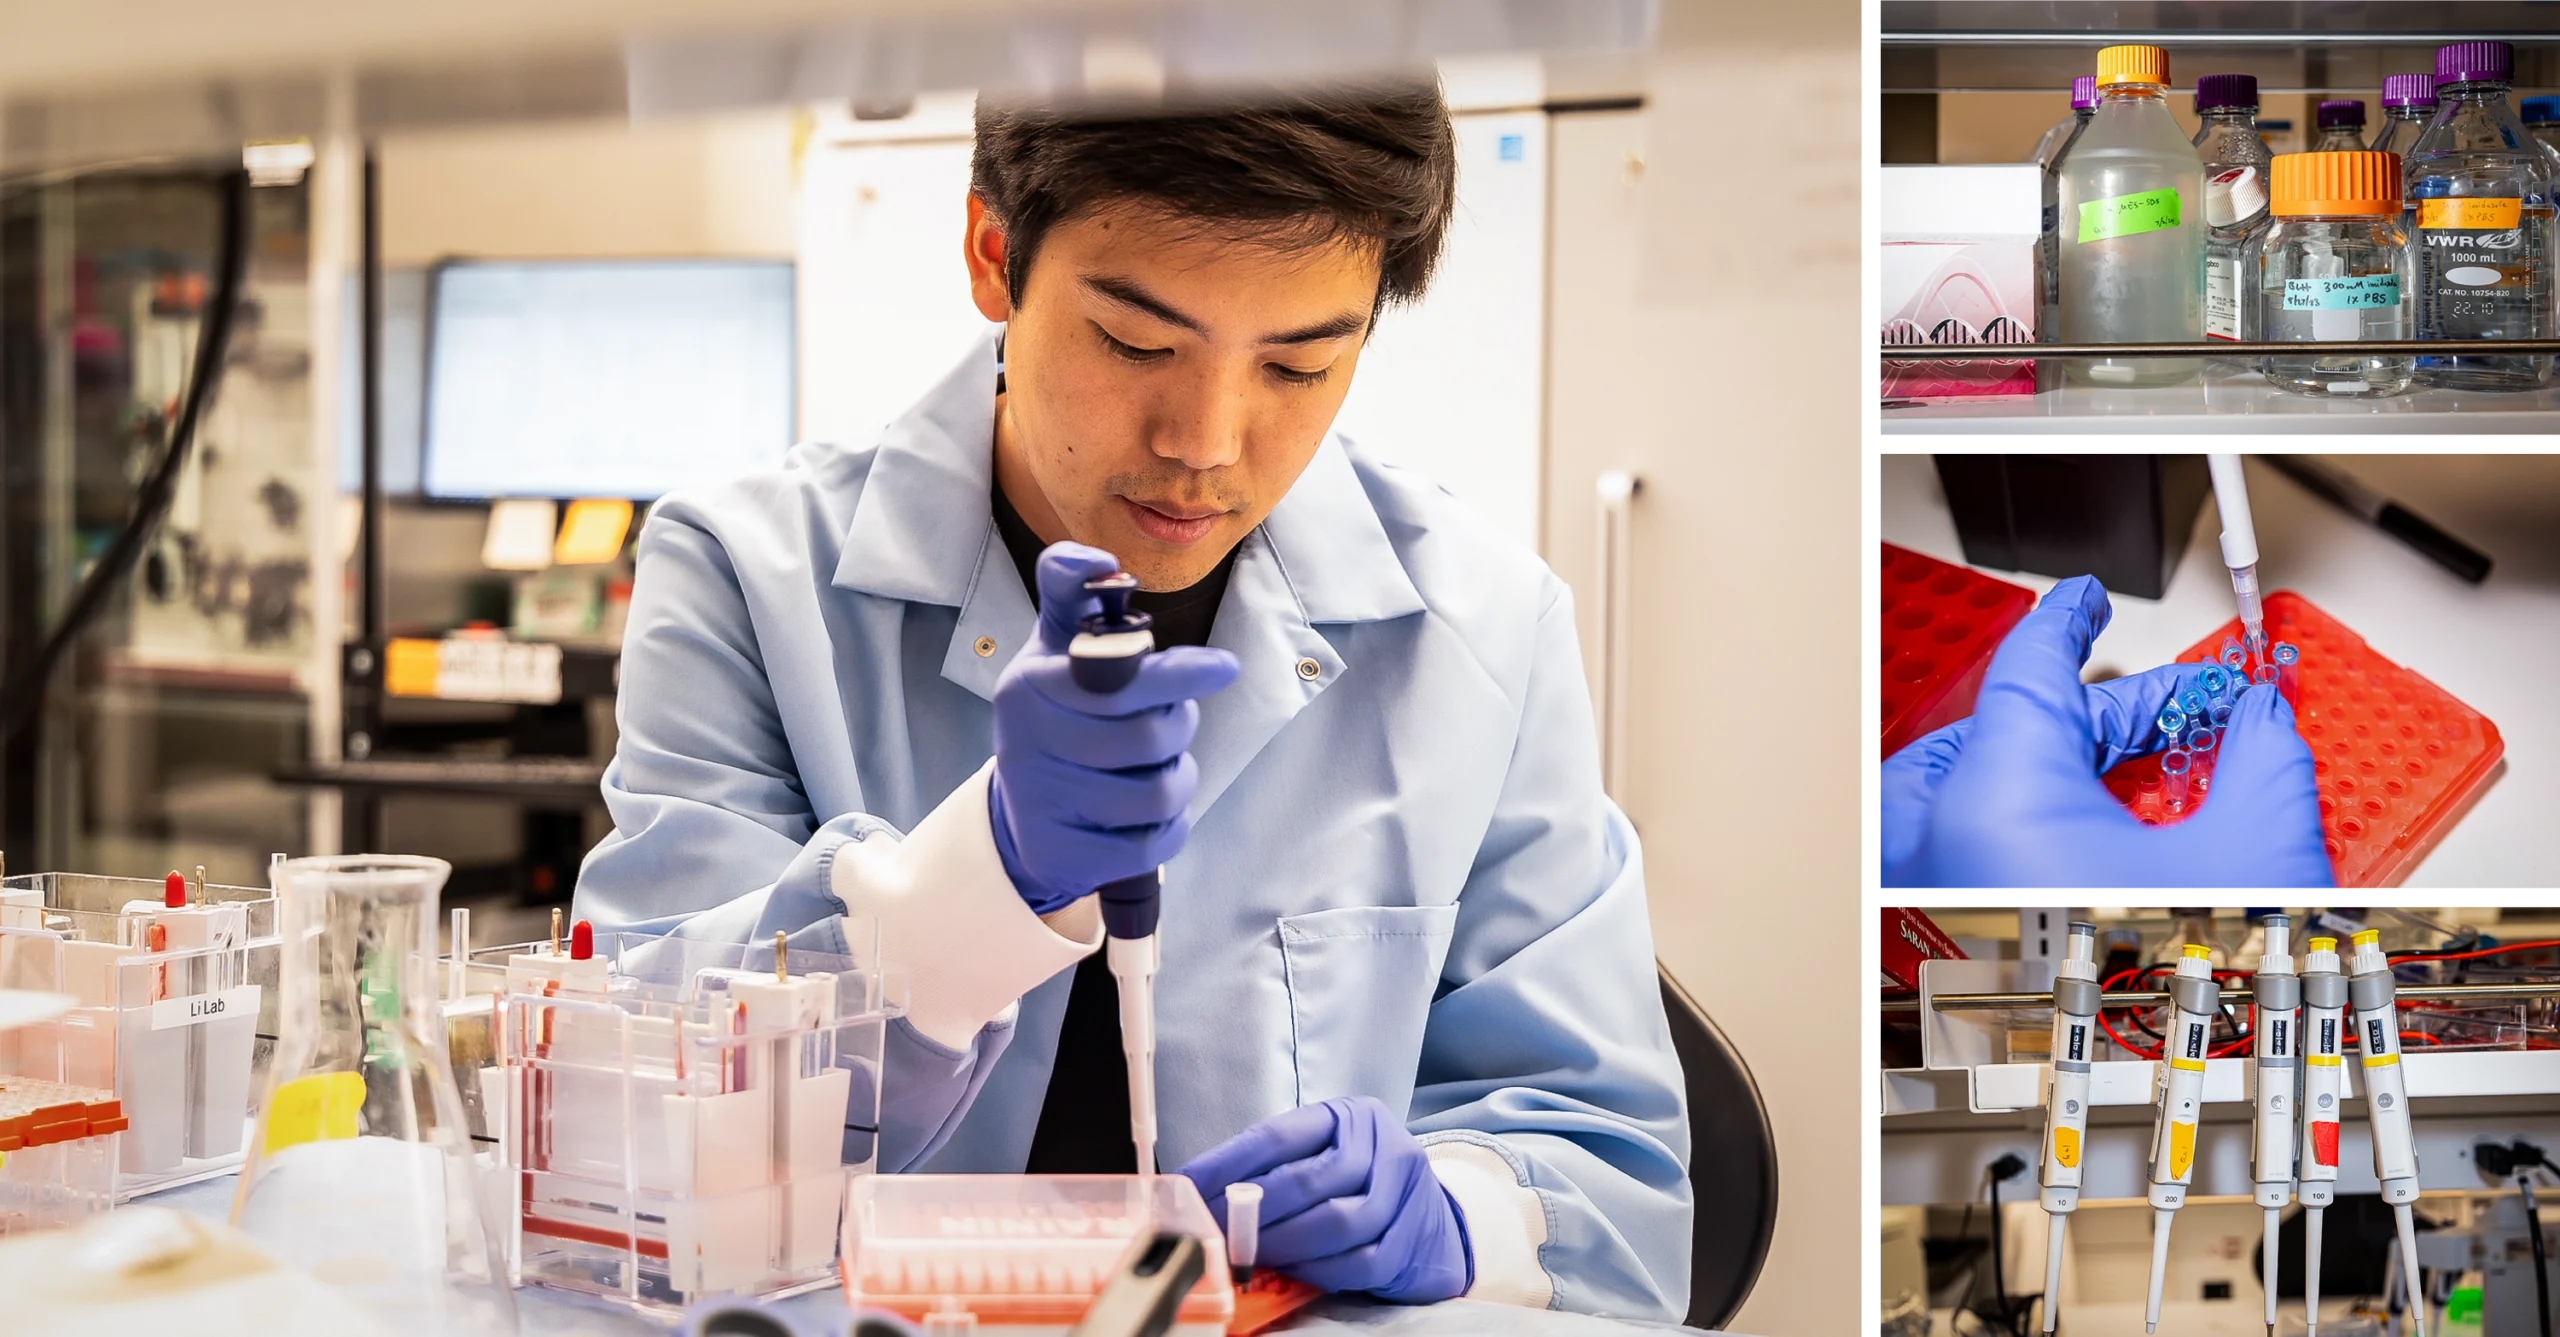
(2534, 946)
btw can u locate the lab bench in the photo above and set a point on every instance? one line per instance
(2490, 645)
(1961, 79)
(542, 1313)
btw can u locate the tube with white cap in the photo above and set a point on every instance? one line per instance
(2240, 551)
(2275, 1072)
(1244, 1229)
(2066, 1105)
(2395, 1150)
(2193, 998)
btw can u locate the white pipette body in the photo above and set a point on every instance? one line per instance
(2066, 1106)
(2275, 1073)
(2194, 998)
(2324, 1093)
(2370, 989)
(2239, 547)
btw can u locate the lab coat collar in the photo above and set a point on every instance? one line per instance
(922, 531)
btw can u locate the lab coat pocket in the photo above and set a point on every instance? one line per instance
(1361, 981)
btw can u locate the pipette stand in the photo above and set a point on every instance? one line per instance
(687, 1130)
(171, 1037)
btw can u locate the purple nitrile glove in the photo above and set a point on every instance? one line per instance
(1090, 789)
(1349, 1202)
(2011, 797)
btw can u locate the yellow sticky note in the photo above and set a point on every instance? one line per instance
(319, 1108)
(411, 667)
(592, 532)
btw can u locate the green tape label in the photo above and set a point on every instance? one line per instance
(2128, 215)
(2372, 292)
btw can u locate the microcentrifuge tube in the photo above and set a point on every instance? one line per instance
(2221, 717)
(2174, 764)
(2193, 703)
(2172, 722)
(2263, 675)
(2200, 741)
(2286, 659)
(2212, 680)
(2235, 658)
(2231, 646)
(1244, 1226)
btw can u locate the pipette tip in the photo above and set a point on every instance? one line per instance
(2151, 1327)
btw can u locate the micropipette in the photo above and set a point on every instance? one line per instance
(2193, 997)
(2275, 1048)
(1103, 658)
(2395, 1151)
(1244, 1229)
(2066, 1104)
(2324, 1089)
(2240, 549)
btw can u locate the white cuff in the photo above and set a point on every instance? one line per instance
(949, 915)
(1506, 1223)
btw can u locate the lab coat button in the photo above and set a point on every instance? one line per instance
(986, 646)
(1310, 669)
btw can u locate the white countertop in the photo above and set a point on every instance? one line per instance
(2496, 646)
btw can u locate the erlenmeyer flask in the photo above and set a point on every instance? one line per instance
(361, 1171)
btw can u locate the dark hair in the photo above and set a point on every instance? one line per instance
(1377, 164)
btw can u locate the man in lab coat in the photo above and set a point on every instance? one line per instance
(1407, 980)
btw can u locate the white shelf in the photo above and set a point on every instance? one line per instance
(2230, 400)
(2003, 1089)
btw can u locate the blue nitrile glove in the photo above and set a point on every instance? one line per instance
(2011, 797)
(1349, 1202)
(1091, 789)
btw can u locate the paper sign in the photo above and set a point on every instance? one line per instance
(319, 1108)
(196, 1009)
(2369, 292)
(2474, 215)
(2129, 215)
(519, 534)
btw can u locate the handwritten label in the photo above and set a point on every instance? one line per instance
(197, 1009)
(2472, 215)
(2130, 215)
(2369, 292)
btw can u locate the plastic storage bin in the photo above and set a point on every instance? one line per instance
(682, 1122)
(1941, 624)
(2399, 758)
(57, 1153)
(1021, 1254)
(173, 1035)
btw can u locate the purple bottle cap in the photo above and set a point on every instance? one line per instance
(2226, 90)
(2084, 92)
(2409, 90)
(2345, 112)
(2472, 62)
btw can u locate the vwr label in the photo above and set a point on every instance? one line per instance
(197, 1009)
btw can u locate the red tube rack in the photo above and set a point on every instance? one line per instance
(2399, 759)
(1941, 624)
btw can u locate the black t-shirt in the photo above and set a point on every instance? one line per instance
(1084, 1120)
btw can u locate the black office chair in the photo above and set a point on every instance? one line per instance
(1737, 1197)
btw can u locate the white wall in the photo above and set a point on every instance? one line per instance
(1704, 293)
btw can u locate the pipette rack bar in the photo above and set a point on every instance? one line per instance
(680, 1120)
(57, 1153)
(2399, 759)
(178, 1037)
(1021, 1254)
(1941, 624)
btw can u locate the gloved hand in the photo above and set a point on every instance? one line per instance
(1091, 789)
(1349, 1202)
(2011, 796)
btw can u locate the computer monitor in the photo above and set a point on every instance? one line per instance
(605, 378)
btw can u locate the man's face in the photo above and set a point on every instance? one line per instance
(1165, 385)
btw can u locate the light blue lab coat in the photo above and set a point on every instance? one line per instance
(1404, 880)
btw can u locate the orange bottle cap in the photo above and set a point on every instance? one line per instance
(2310, 185)
(2133, 65)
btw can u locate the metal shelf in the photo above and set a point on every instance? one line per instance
(2226, 400)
